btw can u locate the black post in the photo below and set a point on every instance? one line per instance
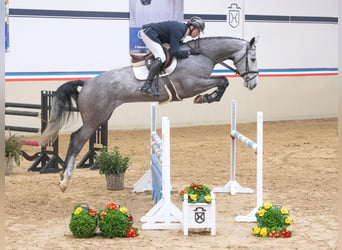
(48, 160)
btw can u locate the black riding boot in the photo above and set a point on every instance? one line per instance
(147, 87)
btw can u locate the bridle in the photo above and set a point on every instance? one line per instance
(245, 56)
(256, 73)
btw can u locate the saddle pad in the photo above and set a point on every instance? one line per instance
(141, 71)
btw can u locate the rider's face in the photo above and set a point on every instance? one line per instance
(195, 32)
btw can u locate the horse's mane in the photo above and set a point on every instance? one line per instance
(214, 38)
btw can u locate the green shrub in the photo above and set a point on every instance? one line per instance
(83, 222)
(114, 221)
(112, 162)
(13, 148)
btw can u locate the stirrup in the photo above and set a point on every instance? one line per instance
(155, 92)
(146, 90)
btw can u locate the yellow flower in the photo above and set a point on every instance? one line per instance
(288, 220)
(123, 210)
(263, 232)
(256, 230)
(267, 205)
(261, 212)
(207, 198)
(284, 210)
(193, 197)
(77, 211)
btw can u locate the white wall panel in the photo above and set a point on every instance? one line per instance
(67, 44)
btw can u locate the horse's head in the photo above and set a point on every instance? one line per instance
(246, 64)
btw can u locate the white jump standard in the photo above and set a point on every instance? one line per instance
(233, 186)
(164, 214)
(145, 182)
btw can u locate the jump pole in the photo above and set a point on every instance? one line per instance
(233, 186)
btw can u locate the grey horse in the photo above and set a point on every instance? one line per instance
(98, 97)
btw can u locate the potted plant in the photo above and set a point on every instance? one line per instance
(113, 165)
(13, 153)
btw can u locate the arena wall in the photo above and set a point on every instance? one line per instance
(52, 42)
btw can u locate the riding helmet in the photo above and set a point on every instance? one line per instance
(197, 22)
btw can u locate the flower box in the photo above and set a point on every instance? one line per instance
(199, 215)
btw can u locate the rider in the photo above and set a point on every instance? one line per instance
(173, 33)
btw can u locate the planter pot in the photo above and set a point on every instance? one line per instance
(115, 181)
(199, 215)
(9, 166)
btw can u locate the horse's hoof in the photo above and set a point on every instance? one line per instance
(62, 187)
(199, 99)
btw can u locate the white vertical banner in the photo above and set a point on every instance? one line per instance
(149, 11)
(236, 18)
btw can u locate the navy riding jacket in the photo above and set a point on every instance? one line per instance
(171, 32)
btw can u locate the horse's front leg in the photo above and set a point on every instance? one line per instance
(215, 96)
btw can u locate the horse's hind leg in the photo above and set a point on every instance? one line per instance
(77, 141)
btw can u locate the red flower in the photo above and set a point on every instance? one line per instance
(287, 235)
(192, 184)
(112, 206)
(92, 212)
(131, 233)
(181, 192)
(129, 217)
(103, 214)
(272, 233)
(199, 186)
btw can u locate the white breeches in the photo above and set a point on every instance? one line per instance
(153, 46)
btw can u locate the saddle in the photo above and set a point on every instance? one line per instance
(142, 63)
(147, 59)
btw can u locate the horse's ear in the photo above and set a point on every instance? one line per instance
(253, 41)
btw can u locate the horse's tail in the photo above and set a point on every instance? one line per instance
(60, 109)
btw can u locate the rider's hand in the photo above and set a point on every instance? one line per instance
(194, 51)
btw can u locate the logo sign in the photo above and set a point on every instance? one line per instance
(199, 215)
(234, 13)
(145, 2)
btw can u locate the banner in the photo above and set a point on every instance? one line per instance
(148, 11)
(7, 44)
(236, 18)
